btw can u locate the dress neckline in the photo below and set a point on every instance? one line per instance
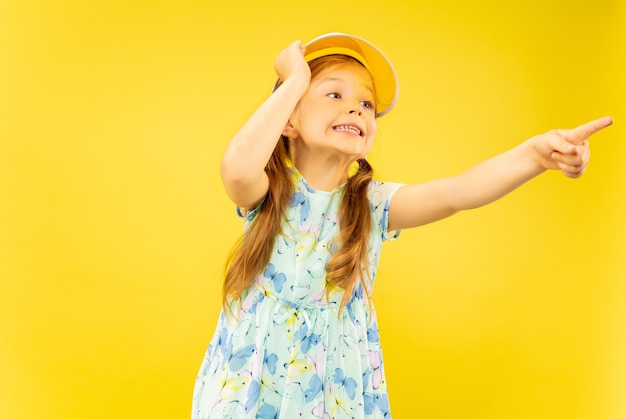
(300, 177)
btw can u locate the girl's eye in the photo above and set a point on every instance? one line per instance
(367, 104)
(334, 95)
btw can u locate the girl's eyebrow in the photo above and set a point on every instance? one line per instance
(341, 79)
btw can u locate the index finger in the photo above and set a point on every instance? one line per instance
(584, 131)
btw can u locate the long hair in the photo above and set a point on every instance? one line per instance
(347, 266)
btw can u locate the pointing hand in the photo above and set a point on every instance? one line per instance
(568, 149)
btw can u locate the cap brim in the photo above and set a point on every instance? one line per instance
(379, 66)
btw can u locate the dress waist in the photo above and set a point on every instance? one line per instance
(306, 310)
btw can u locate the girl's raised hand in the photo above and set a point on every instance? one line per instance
(568, 149)
(290, 63)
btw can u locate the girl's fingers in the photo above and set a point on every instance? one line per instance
(572, 165)
(570, 159)
(584, 131)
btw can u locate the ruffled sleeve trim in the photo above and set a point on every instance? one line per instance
(249, 215)
(380, 199)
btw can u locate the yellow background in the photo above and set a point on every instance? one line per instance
(114, 226)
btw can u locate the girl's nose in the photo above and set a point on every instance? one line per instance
(354, 109)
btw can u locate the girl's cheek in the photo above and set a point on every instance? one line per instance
(372, 131)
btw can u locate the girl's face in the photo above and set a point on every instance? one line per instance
(337, 113)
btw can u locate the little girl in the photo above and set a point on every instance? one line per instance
(298, 335)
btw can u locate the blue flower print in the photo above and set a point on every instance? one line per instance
(269, 360)
(310, 341)
(224, 343)
(252, 301)
(382, 403)
(315, 388)
(368, 404)
(300, 198)
(372, 334)
(239, 357)
(267, 412)
(306, 341)
(253, 395)
(278, 279)
(349, 384)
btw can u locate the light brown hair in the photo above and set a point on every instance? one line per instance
(347, 266)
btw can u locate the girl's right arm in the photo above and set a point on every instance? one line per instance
(565, 150)
(243, 163)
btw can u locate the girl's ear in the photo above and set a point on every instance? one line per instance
(290, 131)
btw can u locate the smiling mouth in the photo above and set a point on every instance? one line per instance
(348, 128)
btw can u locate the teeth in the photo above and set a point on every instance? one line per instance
(348, 128)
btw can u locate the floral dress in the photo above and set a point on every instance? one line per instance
(290, 353)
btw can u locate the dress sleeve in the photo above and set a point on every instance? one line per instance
(380, 194)
(248, 215)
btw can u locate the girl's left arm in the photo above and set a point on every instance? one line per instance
(565, 150)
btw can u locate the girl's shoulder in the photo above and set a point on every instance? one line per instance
(380, 192)
(380, 195)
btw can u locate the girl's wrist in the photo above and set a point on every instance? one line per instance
(297, 82)
(532, 146)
